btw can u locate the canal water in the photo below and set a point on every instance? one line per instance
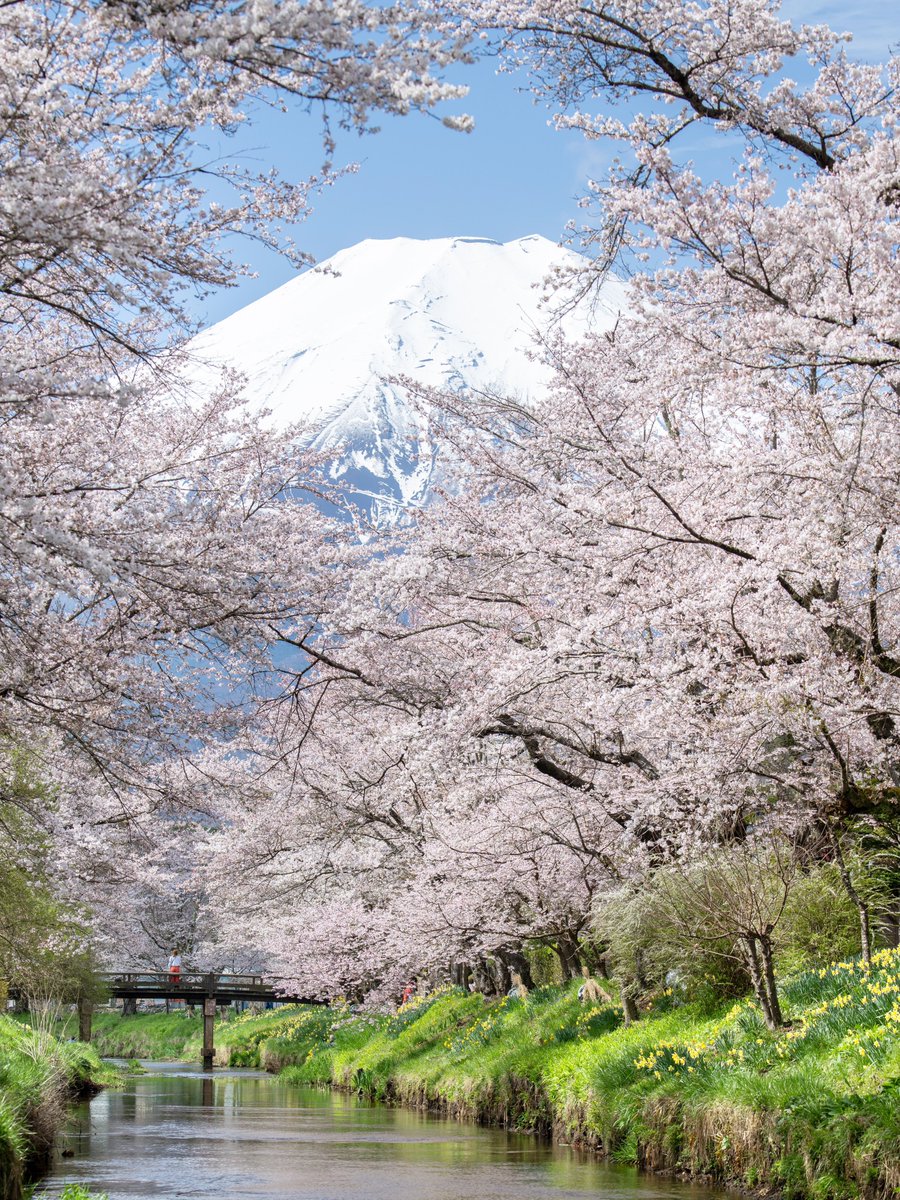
(239, 1135)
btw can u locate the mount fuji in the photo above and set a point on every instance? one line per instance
(457, 313)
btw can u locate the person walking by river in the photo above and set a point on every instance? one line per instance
(174, 967)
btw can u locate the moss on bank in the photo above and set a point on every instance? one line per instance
(38, 1074)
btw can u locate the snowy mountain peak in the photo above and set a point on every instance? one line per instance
(459, 312)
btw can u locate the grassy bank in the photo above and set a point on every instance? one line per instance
(812, 1111)
(38, 1074)
(159, 1036)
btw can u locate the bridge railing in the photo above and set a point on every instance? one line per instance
(235, 986)
(185, 978)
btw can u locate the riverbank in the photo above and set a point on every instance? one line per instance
(39, 1074)
(812, 1111)
(157, 1036)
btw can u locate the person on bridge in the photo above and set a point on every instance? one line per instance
(174, 966)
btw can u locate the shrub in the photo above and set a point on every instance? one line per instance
(641, 948)
(545, 966)
(820, 923)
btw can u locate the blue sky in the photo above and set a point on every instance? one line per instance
(512, 176)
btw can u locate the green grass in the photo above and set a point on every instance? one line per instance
(812, 1111)
(157, 1036)
(38, 1072)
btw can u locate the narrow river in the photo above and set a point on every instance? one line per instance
(238, 1135)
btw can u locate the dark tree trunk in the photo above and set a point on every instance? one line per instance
(865, 936)
(569, 956)
(758, 954)
(482, 977)
(765, 950)
(459, 975)
(752, 959)
(129, 1006)
(502, 976)
(85, 1012)
(632, 988)
(517, 961)
(594, 957)
(630, 1011)
(890, 924)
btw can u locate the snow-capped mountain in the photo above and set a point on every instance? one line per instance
(454, 312)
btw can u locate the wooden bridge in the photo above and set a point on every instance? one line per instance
(207, 989)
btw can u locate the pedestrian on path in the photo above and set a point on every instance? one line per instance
(174, 967)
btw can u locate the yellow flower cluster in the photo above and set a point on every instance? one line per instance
(875, 988)
(870, 996)
(478, 1033)
(292, 1022)
(251, 1015)
(672, 1056)
(866, 1045)
(291, 1027)
(586, 1016)
(416, 1001)
(883, 960)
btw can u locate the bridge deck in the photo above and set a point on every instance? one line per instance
(196, 986)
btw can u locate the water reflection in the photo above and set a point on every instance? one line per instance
(177, 1132)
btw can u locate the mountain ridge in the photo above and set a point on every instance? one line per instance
(458, 312)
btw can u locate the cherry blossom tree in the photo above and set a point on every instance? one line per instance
(368, 852)
(725, 456)
(654, 611)
(657, 609)
(152, 541)
(114, 206)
